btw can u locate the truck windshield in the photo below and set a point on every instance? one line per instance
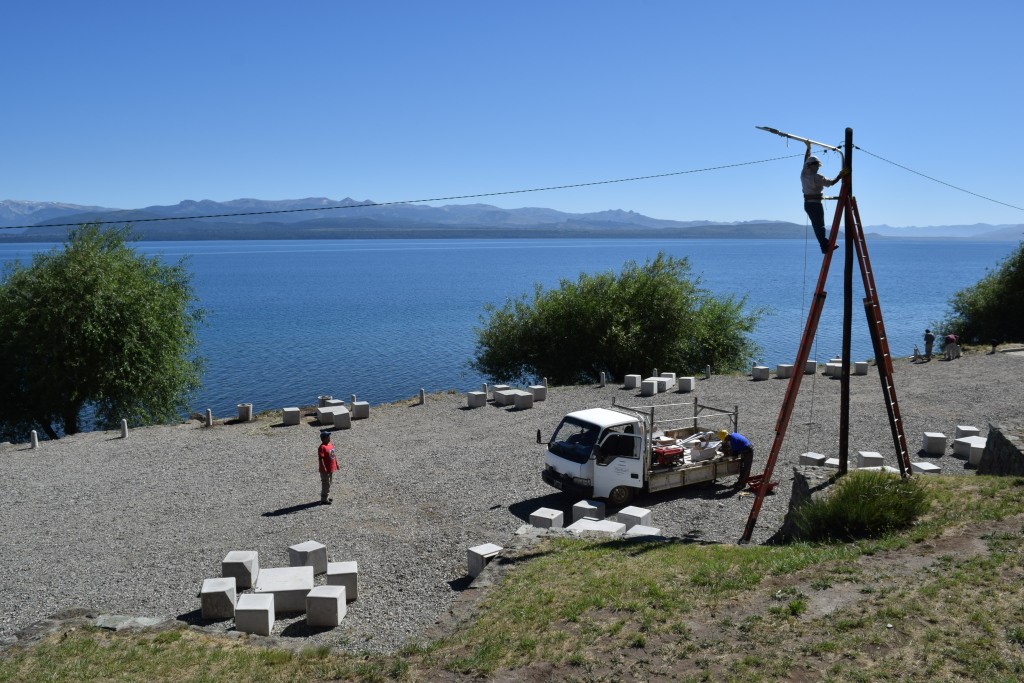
(574, 440)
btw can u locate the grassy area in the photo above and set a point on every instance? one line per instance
(915, 605)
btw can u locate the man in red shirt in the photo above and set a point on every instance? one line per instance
(328, 466)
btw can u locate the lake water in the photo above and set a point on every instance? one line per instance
(290, 320)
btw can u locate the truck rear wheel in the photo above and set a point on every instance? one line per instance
(621, 496)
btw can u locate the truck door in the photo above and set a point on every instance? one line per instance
(618, 465)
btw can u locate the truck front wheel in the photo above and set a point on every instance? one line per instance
(621, 496)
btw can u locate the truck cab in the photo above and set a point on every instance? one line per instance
(597, 453)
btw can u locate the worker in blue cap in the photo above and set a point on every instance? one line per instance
(328, 466)
(737, 444)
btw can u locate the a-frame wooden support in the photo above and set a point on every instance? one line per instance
(846, 208)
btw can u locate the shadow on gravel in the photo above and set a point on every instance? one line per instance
(195, 618)
(300, 629)
(460, 584)
(292, 509)
(555, 501)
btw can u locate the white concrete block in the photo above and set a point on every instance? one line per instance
(360, 410)
(834, 369)
(325, 415)
(290, 416)
(977, 450)
(326, 606)
(869, 459)
(964, 444)
(593, 509)
(504, 397)
(632, 382)
(934, 443)
(836, 359)
(523, 400)
(642, 530)
(539, 391)
(648, 387)
(245, 412)
(687, 384)
(861, 367)
(478, 556)
(309, 554)
(812, 459)
(784, 371)
(217, 598)
(344, 574)
(546, 518)
(760, 372)
(632, 515)
(925, 468)
(599, 526)
(243, 565)
(964, 430)
(342, 418)
(671, 377)
(288, 585)
(832, 463)
(476, 399)
(660, 383)
(255, 613)
(334, 403)
(498, 387)
(810, 367)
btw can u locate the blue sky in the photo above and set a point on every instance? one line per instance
(132, 104)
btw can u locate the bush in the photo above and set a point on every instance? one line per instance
(95, 327)
(990, 309)
(654, 315)
(862, 505)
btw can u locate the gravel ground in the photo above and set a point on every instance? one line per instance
(132, 526)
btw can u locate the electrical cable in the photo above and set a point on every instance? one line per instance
(941, 182)
(412, 201)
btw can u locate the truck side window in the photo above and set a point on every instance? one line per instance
(618, 444)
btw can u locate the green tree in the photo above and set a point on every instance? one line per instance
(95, 326)
(991, 308)
(654, 315)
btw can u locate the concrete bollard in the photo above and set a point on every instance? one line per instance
(124, 428)
(353, 399)
(483, 388)
(35, 439)
(423, 397)
(707, 372)
(544, 381)
(655, 373)
(245, 412)
(209, 417)
(603, 378)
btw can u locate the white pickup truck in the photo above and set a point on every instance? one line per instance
(616, 453)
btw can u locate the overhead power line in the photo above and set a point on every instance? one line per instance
(941, 182)
(412, 201)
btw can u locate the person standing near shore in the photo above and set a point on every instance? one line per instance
(328, 466)
(929, 341)
(813, 184)
(952, 347)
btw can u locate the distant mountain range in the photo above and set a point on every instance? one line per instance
(322, 218)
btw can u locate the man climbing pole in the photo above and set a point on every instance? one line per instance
(813, 184)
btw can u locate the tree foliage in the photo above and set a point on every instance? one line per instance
(991, 308)
(94, 326)
(654, 315)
